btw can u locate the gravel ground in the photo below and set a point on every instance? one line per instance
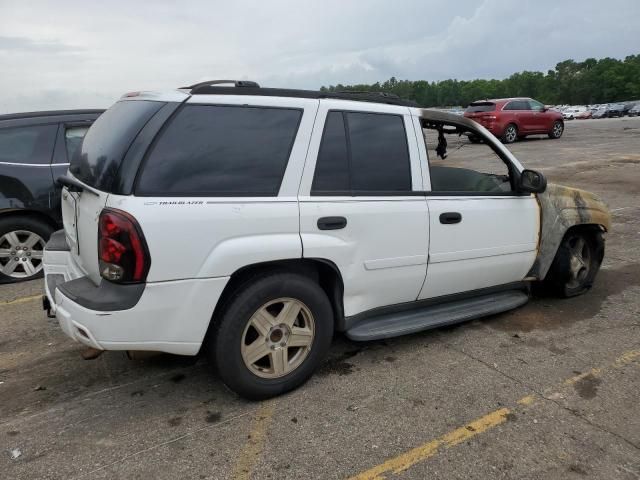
(548, 391)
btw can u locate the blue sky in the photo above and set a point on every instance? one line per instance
(76, 54)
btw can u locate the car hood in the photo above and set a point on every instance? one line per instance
(588, 207)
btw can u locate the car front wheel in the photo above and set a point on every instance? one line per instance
(272, 335)
(557, 130)
(22, 242)
(576, 263)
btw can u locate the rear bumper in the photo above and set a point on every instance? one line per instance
(170, 317)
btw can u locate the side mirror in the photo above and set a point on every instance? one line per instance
(532, 182)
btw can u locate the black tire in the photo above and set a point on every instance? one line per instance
(561, 279)
(557, 130)
(230, 327)
(510, 133)
(22, 224)
(474, 139)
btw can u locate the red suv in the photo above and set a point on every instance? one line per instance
(513, 118)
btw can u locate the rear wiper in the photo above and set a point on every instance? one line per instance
(74, 185)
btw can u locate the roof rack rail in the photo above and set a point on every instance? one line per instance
(209, 88)
(209, 83)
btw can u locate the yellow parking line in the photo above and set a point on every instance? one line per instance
(251, 452)
(406, 460)
(410, 458)
(21, 300)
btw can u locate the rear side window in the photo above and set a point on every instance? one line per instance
(372, 154)
(517, 105)
(32, 145)
(476, 107)
(211, 150)
(73, 138)
(107, 141)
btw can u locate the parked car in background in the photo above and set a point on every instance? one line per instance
(512, 118)
(628, 106)
(635, 111)
(35, 148)
(584, 114)
(601, 112)
(615, 110)
(570, 113)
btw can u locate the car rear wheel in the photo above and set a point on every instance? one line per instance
(576, 263)
(272, 335)
(510, 134)
(22, 241)
(557, 130)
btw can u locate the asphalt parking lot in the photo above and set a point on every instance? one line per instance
(549, 391)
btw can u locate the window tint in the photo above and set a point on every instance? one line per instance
(481, 107)
(107, 141)
(535, 105)
(332, 167)
(33, 145)
(73, 138)
(221, 150)
(517, 105)
(379, 153)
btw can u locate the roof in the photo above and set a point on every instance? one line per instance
(247, 87)
(49, 113)
(440, 116)
(501, 100)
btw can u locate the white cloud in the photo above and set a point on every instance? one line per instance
(86, 54)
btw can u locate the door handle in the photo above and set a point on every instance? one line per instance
(450, 217)
(332, 223)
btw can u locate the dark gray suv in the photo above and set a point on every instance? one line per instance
(35, 149)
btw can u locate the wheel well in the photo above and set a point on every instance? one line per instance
(33, 214)
(324, 272)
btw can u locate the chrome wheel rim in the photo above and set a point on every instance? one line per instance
(21, 253)
(277, 338)
(511, 133)
(557, 129)
(579, 261)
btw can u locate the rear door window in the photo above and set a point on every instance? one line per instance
(517, 105)
(107, 141)
(73, 139)
(213, 150)
(27, 145)
(362, 154)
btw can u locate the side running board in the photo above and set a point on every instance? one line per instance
(423, 318)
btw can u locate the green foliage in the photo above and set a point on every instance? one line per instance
(576, 83)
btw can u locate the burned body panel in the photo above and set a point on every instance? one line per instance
(562, 208)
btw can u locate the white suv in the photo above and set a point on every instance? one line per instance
(257, 221)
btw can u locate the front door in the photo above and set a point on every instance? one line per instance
(361, 204)
(482, 233)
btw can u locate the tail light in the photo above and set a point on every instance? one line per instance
(122, 250)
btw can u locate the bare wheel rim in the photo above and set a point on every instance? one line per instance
(511, 133)
(277, 338)
(579, 261)
(557, 129)
(21, 253)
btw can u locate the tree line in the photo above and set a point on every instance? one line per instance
(575, 83)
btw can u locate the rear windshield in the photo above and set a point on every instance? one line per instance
(97, 161)
(481, 107)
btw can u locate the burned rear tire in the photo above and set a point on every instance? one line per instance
(576, 263)
(271, 335)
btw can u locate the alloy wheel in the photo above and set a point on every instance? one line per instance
(557, 129)
(21, 253)
(278, 338)
(511, 134)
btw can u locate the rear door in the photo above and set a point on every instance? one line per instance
(361, 204)
(96, 165)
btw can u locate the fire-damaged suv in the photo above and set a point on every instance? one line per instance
(255, 222)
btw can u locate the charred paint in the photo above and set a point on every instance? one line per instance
(562, 208)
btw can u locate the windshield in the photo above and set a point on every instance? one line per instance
(480, 107)
(97, 161)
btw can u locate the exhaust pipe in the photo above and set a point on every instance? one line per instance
(91, 353)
